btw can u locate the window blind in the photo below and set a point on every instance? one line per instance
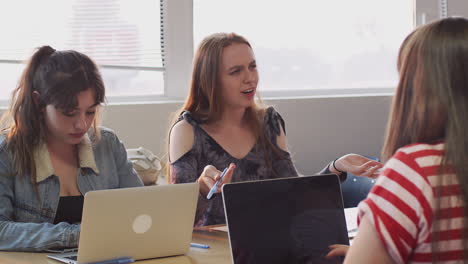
(121, 34)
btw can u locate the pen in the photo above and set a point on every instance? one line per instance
(122, 260)
(196, 245)
(215, 186)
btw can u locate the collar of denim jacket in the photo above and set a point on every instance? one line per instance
(44, 167)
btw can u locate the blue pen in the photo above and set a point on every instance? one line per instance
(196, 245)
(215, 186)
(122, 260)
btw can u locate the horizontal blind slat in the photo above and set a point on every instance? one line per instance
(109, 31)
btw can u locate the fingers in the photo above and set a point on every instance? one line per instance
(337, 251)
(369, 164)
(373, 170)
(374, 163)
(211, 175)
(228, 176)
(211, 171)
(369, 169)
(359, 165)
(208, 178)
(354, 163)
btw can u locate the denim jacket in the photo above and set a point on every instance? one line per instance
(27, 212)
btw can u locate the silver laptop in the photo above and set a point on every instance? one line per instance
(289, 220)
(138, 223)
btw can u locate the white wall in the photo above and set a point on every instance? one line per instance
(318, 128)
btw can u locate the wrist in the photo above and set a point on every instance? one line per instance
(335, 168)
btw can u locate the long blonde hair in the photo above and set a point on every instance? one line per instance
(431, 101)
(204, 101)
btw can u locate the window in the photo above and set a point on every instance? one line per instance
(122, 36)
(307, 45)
(145, 47)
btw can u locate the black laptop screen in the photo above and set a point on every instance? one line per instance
(291, 220)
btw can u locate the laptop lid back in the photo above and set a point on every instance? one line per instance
(290, 220)
(141, 223)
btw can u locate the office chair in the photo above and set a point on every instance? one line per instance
(355, 189)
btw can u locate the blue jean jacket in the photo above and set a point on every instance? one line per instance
(27, 213)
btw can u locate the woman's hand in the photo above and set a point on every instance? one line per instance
(209, 177)
(337, 250)
(357, 165)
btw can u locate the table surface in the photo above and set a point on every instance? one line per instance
(218, 252)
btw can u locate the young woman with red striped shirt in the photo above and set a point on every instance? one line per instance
(416, 212)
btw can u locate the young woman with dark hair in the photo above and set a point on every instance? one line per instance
(52, 152)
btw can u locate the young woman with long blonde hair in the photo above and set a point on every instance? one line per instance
(416, 212)
(221, 126)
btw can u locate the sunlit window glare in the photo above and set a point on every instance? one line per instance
(303, 44)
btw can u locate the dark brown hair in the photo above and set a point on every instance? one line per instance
(431, 101)
(58, 77)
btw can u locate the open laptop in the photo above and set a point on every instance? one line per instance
(289, 220)
(140, 223)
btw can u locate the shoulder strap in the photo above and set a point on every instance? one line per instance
(187, 116)
(273, 120)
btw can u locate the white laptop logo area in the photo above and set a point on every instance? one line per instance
(142, 223)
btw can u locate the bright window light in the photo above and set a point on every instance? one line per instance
(122, 36)
(310, 45)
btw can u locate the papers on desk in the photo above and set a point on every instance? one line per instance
(351, 222)
(220, 228)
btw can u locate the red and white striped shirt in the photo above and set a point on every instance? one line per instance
(402, 204)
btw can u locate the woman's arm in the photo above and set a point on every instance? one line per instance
(357, 165)
(284, 166)
(184, 165)
(365, 242)
(354, 164)
(19, 236)
(16, 236)
(275, 131)
(367, 247)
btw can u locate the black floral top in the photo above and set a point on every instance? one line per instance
(206, 151)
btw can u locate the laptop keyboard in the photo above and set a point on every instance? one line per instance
(72, 257)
